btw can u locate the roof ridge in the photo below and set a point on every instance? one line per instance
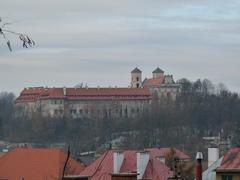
(158, 70)
(136, 70)
(100, 163)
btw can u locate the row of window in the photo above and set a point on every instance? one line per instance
(58, 111)
(166, 90)
(86, 111)
(58, 102)
(98, 111)
(226, 177)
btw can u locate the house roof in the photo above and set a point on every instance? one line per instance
(37, 164)
(158, 70)
(157, 152)
(231, 161)
(210, 173)
(102, 167)
(153, 81)
(33, 94)
(136, 70)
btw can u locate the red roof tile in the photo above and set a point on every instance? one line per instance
(153, 81)
(158, 152)
(231, 161)
(156, 170)
(130, 162)
(102, 168)
(36, 164)
(32, 94)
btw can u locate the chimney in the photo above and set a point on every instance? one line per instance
(142, 161)
(213, 155)
(162, 159)
(199, 158)
(64, 91)
(117, 161)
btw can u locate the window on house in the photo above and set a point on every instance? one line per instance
(55, 111)
(80, 111)
(86, 111)
(137, 78)
(226, 177)
(120, 113)
(137, 110)
(73, 111)
(126, 112)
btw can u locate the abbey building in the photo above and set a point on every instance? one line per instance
(80, 102)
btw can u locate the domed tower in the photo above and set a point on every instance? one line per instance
(158, 73)
(136, 78)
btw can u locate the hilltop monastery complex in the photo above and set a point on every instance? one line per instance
(79, 102)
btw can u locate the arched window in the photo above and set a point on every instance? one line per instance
(169, 95)
(126, 112)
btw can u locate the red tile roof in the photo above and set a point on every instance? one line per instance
(102, 168)
(153, 81)
(36, 164)
(157, 152)
(33, 94)
(231, 161)
(156, 170)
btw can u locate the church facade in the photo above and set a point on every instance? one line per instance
(86, 102)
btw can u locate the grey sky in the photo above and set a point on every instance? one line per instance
(99, 42)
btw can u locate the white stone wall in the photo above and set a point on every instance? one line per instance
(157, 75)
(94, 109)
(136, 81)
(166, 91)
(24, 109)
(85, 108)
(51, 107)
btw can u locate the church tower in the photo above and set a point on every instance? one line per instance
(136, 81)
(157, 73)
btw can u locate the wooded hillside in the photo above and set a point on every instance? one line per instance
(203, 109)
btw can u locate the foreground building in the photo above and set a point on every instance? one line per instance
(230, 166)
(225, 168)
(89, 102)
(130, 165)
(37, 164)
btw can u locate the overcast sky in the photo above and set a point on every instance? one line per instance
(99, 42)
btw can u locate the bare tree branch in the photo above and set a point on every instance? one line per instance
(65, 164)
(25, 39)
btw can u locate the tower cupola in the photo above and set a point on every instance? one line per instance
(158, 73)
(136, 81)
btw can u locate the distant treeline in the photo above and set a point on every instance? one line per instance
(202, 109)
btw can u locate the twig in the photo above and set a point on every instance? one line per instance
(65, 165)
(26, 40)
